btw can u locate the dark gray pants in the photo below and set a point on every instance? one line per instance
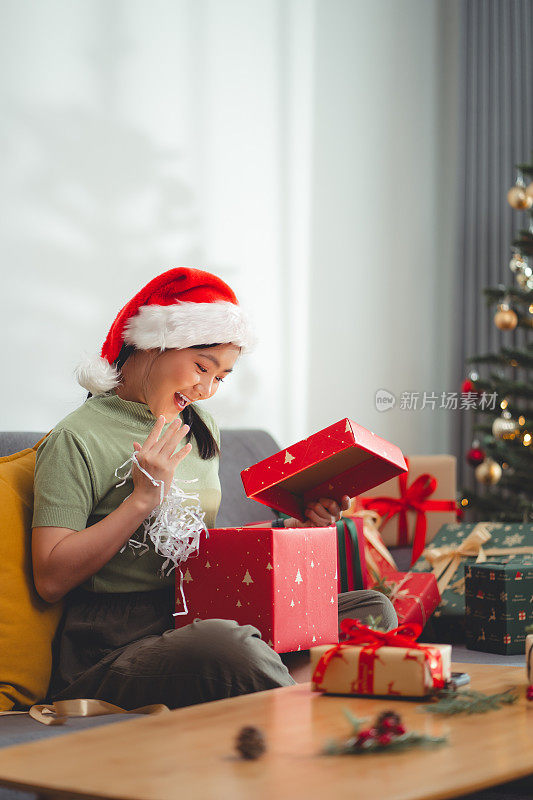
(123, 648)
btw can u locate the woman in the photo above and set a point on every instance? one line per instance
(170, 346)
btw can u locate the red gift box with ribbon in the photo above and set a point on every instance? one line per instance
(343, 458)
(371, 662)
(414, 595)
(282, 581)
(416, 504)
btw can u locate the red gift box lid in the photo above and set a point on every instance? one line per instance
(344, 458)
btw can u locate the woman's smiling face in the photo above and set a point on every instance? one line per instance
(176, 378)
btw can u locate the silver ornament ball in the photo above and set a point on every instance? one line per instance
(505, 427)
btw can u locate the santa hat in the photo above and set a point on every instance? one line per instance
(180, 308)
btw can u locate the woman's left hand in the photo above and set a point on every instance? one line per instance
(320, 513)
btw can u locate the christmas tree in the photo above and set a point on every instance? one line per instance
(502, 450)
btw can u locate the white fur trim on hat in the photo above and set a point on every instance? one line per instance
(165, 327)
(97, 375)
(186, 324)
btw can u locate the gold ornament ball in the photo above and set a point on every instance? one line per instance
(489, 472)
(523, 278)
(517, 262)
(505, 319)
(524, 282)
(519, 199)
(505, 427)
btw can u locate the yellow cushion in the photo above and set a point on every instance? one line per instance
(27, 623)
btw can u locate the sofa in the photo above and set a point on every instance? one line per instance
(239, 449)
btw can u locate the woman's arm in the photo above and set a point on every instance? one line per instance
(63, 558)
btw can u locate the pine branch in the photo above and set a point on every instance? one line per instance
(526, 168)
(504, 387)
(512, 358)
(495, 295)
(468, 702)
(495, 508)
(524, 242)
(399, 743)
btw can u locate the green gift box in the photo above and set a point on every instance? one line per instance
(498, 605)
(457, 545)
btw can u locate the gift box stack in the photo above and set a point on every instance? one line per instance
(459, 546)
(407, 512)
(498, 606)
(285, 581)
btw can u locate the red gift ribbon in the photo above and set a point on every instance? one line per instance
(358, 634)
(412, 498)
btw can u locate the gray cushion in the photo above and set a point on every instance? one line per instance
(240, 449)
(14, 441)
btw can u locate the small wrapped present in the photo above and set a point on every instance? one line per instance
(416, 504)
(529, 658)
(498, 606)
(343, 459)
(371, 662)
(414, 595)
(283, 581)
(458, 544)
(351, 562)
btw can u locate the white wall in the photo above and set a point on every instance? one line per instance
(295, 148)
(382, 265)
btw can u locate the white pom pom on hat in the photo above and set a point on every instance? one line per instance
(180, 308)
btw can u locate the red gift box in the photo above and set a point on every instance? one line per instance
(283, 581)
(342, 459)
(414, 595)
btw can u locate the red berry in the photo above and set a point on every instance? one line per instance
(387, 724)
(529, 693)
(400, 730)
(364, 736)
(385, 739)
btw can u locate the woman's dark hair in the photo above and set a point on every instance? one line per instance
(207, 445)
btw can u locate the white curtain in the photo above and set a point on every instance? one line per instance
(296, 148)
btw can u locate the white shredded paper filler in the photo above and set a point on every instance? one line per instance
(173, 528)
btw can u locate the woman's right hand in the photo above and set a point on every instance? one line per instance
(158, 458)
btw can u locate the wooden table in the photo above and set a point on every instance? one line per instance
(189, 754)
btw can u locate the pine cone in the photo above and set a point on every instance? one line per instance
(250, 742)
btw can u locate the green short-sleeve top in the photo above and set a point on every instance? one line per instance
(75, 485)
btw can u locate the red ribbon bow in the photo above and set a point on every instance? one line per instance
(358, 634)
(412, 498)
